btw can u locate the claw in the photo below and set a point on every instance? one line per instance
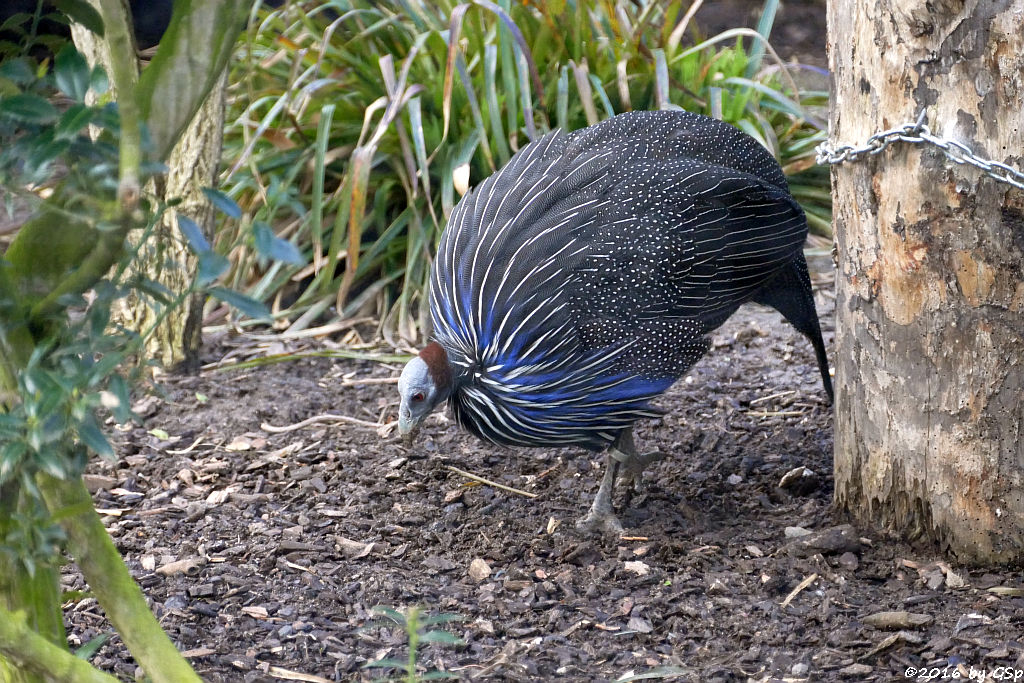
(596, 522)
(639, 462)
(622, 454)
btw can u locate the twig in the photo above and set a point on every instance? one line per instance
(775, 413)
(799, 587)
(770, 397)
(495, 484)
(319, 419)
(368, 380)
(191, 448)
(285, 674)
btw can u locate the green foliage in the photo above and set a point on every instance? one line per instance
(417, 628)
(26, 34)
(66, 366)
(354, 119)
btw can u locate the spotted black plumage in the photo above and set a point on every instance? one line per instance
(580, 281)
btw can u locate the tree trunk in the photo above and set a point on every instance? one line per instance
(192, 165)
(929, 414)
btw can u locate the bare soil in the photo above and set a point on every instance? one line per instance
(264, 552)
(286, 541)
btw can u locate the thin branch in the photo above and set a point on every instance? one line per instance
(320, 419)
(29, 651)
(470, 475)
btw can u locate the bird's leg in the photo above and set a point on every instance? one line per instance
(602, 516)
(624, 450)
(621, 454)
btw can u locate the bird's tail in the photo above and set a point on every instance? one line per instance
(789, 293)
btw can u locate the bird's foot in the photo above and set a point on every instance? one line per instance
(635, 465)
(598, 521)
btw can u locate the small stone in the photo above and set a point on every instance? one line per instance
(479, 569)
(176, 602)
(796, 532)
(849, 561)
(832, 541)
(639, 624)
(856, 670)
(734, 479)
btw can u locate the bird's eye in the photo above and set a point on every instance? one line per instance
(418, 396)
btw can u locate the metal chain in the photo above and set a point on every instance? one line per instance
(919, 132)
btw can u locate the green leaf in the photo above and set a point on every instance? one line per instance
(160, 434)
(28, 109)
(442, 637)
(443, 618)
(390, 613)
(223, 203)
(92, 436)
(119, 388)
(17, 70)
(271, 246)
(398, 664)
(246, 305)
(82, 12)
(10, 457)
(87, 651)
(98, 81)
(193, 234)
(72, 122)
(211, 266)
(72, 73)
(155, 289)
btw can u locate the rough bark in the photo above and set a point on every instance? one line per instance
(192, 165)
(929, 415)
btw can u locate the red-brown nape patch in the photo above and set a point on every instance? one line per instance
(434, 355)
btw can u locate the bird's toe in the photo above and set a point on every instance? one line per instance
(600, 523)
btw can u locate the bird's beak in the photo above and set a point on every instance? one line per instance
(407, 426)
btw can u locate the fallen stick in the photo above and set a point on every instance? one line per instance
(470, 475)
(796, 591)
(319, 419)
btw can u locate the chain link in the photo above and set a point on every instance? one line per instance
(918, 133)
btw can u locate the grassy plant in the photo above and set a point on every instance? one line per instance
(358, 124)
(80, 169)
(418, 632)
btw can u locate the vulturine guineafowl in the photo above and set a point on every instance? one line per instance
(582, 279)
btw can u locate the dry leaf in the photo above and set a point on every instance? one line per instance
(240, 443)
(897, 620)
(353, 550)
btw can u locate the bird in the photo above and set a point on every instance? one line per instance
(582, 279)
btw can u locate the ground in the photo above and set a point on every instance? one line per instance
(264, 552)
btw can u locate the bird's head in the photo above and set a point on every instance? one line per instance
(426, 380)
